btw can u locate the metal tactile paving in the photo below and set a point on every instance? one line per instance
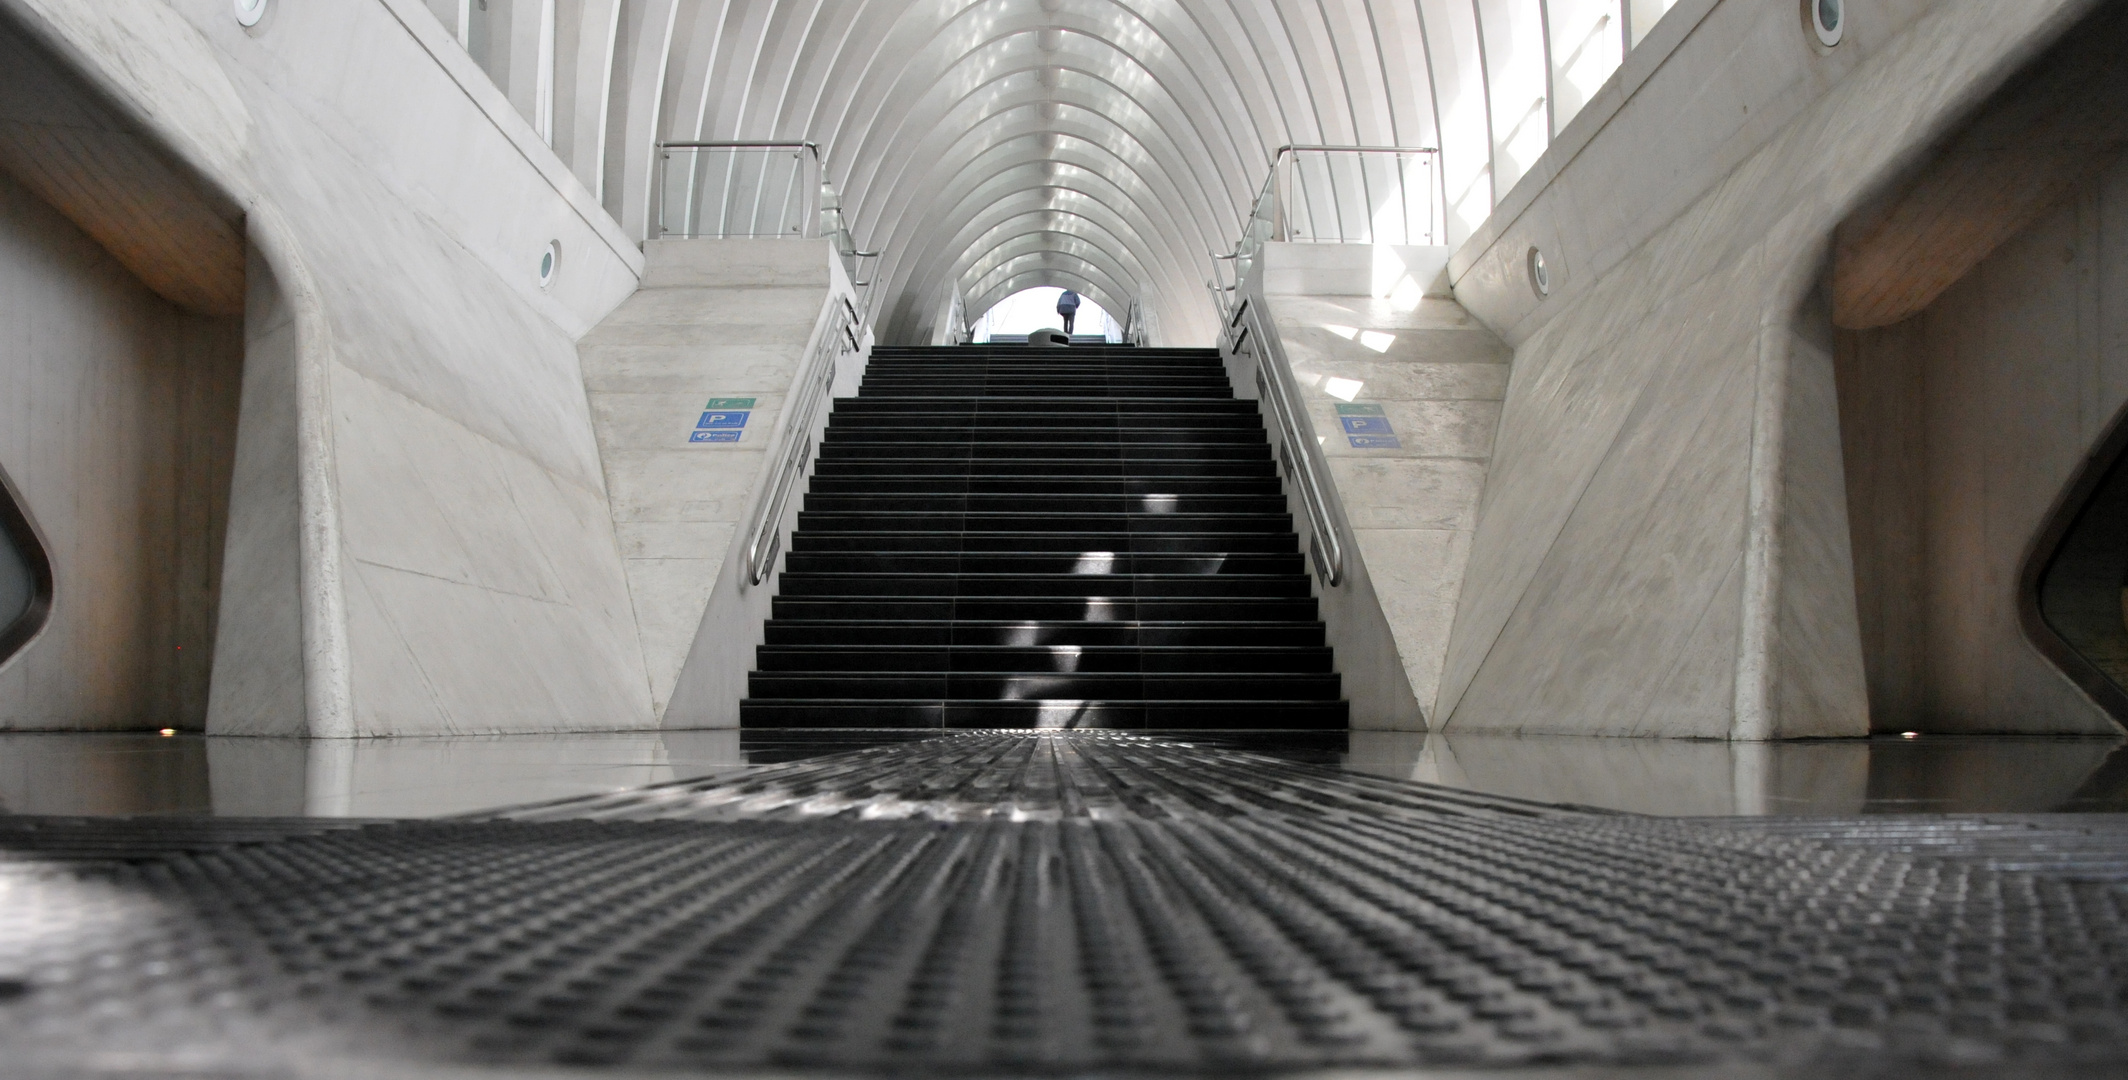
(1045, 903)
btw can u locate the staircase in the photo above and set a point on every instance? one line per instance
(1007, 536)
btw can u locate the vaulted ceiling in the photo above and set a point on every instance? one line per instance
(1104, 145)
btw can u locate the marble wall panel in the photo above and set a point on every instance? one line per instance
(717, 318)
(1437, 376)
(1612, 606)
(1635, 519)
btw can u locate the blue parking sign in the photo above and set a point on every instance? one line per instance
(723, 419)
(1367, 425)
(726, 435)
(1375, 442)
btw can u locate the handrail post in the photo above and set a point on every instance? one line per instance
(809, 208)
(1281, 170)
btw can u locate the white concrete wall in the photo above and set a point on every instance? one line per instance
(424, 528)
(719, 652)
(714, 319)
(1712, 85)
(1661, 547)
(1356, 335)
(1962, 427)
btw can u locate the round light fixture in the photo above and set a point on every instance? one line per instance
(1540, 275)
(1828, 18)
(249, 12)
(550, 261)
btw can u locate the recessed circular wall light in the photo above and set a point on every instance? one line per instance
(249, 12)
(550, 262)
(1828, 19)
(1540, 275)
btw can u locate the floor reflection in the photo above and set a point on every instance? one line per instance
(127, 774)
(426, 777)
(1928, 775)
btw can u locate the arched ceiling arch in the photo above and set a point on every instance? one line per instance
(985, 146)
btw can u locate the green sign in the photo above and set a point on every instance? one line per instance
(1359, 410)
(727, 403)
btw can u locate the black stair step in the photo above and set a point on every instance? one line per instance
(1016, 347)
(1036, 659)
(948, 385)
(1077, 542)
(1116, 715)
(1001, 406)
(1020, 632)
(1218, 438)
(1078, 467)
(1048, 453)
(1012, 428)
(1235, 586)
(1215, 426)
(1003, 380)
(1007, 686)
(1044, 485)
(1144, 369)
(1044, 608)
(1043, 562)
(995, 503)
(972, 521)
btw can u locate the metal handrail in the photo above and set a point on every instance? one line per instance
(766, 537)
(742, 144)
(1317, 148)
(807, 146)
(1241, 318)
(1271, 378)
(853, 256)
(1279, 190)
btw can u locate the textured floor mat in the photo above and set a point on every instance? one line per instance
(1024, 904)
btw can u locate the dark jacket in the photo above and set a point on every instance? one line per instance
(1067, 302)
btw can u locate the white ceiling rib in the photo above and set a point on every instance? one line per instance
(1103, 145)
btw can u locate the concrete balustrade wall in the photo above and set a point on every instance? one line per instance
(1369, 326)
(420, 539)
(727, 319)
(770, 334)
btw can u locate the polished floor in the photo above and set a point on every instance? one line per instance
(146, 773)
(1062, 903)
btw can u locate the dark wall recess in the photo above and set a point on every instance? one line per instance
(25, 574)
(2072, 597)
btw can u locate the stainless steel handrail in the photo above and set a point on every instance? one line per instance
(766, 537)
(1328, 549)
(1242, 318)
(1316, 148)
(769, 144)
(1277, 186)
(819, 170)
